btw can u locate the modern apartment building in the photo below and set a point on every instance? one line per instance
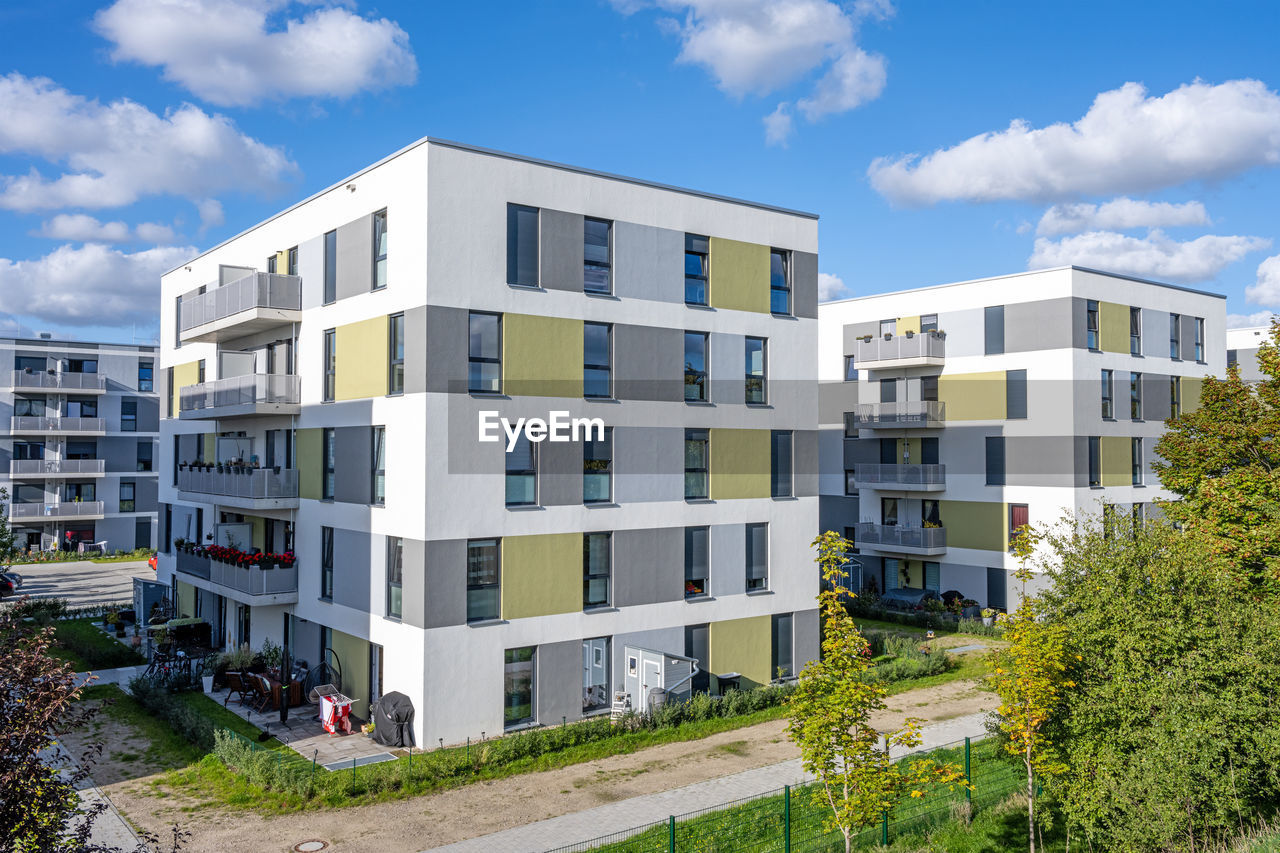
(951, 415)
(78, 430)
(329, 391)
(1242, 350)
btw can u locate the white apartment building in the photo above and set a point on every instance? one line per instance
(327, 375)
(1242, 350)
(951, 415)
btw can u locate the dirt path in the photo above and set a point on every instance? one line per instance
(486, 807)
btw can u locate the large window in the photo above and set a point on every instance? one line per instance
(146, 376)
(1135, 396)
(780, 281)
(1091, 334)
(782, 657)
(1175, 336)
(1175, 397)
(28, 407)
(395, 354)
(597, 469)
(484, 353)
(146, 450)
(1135, 461)
(328, 455)
(695, 366)
(595, 569)
(993, 329)
(326, 563)
(757, 557)
(1135, 331)
(522, 472)
(128, 415)
(1108, 395)
(291, 261)
(482, 580)
(522, 245)
(995, 460)
(395, 576)
(128, 492)
(595, 674)
(696, 254)
(1199, 338)
(378, 466)
(1015, 394)
(596, 257)
(380, 250)
(695, 562)
(850, 369)
(596, 370)
(330, 364)
(756, 364)
(518, 673)
(1095, 461)
(1019, 517)
(330, 267)
(695, 463)
(780, 463)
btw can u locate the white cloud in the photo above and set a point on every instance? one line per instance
(831, 287)
(244, 52)
(778, 126)
(12, 327)
(119, 152)
(1249, 321)
(1154, 256)
(92, 285)
(211, 213)
(1119, 214)
(853, 79)
(1126, 143)
(1266, 290)
(154, 232)
(82, 228)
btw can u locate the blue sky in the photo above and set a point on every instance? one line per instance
(134, 132)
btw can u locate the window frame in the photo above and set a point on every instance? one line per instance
(1175, 396)
(128, 420)
(994, 478)
(698, 435)
(587, 446)
(328, 454)
(589, 263)
(1137, 462)
(782, 438)
(1135, 396)
(132, 500)
(473, 359)
(692, 589)
(1135, 338)
(761, 582)
(704, 256)
(1012, 527)
(326, 563)
(394, 361)
(329, 293)
(147, 376)
(850, 369)
(1092, 326)
(379, 258)
(394, 577)
(1108, 395)
(532, 718)
(761, 395)
(606, 368)
(513, 245)
(329, 362)
(496, 584)
(786, 288)
(700, 377)
(1175, 336)
(1093, 462)
(377, 475)
(530, 472)
(146, 457)
(990, 314)
(588, 575)
(1199, 340)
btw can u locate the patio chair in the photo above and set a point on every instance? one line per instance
(261, 692)
(236, 687)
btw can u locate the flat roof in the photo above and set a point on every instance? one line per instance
(506, 155)
(57, 343)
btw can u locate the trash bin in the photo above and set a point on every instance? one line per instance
(729, 681)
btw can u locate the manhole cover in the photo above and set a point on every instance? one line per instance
(311, 846)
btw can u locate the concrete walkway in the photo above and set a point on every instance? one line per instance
(639, 813)
(110, 829)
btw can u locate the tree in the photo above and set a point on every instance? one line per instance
(8, 546)
(831, 712)
(1030, 677)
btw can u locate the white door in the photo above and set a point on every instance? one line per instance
(651, 677)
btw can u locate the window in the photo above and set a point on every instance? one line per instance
(177, 322)
(888, 327)
(328, 453)
(928, 323)
(146, 375)
(29, 364)
(29, 407)
(1015, 394)
(128, 492)
(1095, 461)
(79, 492)
(82, 407)
(997, 585)
(597, 469)
(292, 261)
(518, 672)
(80, 450)
(695, 464)
(522, 245)
(200, 371)
(695, 366)
(141, 533)
(128, 415)
(1019, 516)
(522, 472)
(782, 662)
(780, 281)
(1233, 358)
(1108, 395)
(395, 576)
(395, 357)
(380, 250)
(1199, 339)
(780, 463)
(330, 267)
(271, 264)
(595, 675)
(929, 388)
(993, 325)
(850, 483)
(82, 365)
(596, 257)
(330, 364)
(595, 569)
(596, 350)
(757, 557)
(145, 450)
(696, 252)
(755, 353)
(482, 580)
(995, 460)
(850, 369)
(889, 512)
(168, 390)
(484, 353)
(888, 390)
(1135, 396)
(326, 563)
(1135, 331)
(1135, 460)
(31, 450)
(378, 490)
(1175, 397)
(1091, 336)
(695, 561)
(1175, 336)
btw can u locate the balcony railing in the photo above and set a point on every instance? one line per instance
(249, 484)
(244, 579)
(256, 290)
(901, 350)
(41, 379)
(240, 391)
(27, 424)
(56, 467)
(67, 509)
(916, 413)
(919, 540)
(911, 477)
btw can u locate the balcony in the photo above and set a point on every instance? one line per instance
(250, 304)
(927, 349)
(244, 584)
(68, 511)
(902, 478)
(916, 414)
(66, 383)
(45, 469)
(25, 425)
(241, 396)
(250, 488)
(922, 541)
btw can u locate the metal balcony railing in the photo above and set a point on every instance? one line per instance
(256, 290)
(56, 467)
(67, 509)
(249, 484)
(925, 345)
(925, 476)
(241, 391)
(245, 579)
(898, 536)
(24, 423)
(916, 413)
(45, 380)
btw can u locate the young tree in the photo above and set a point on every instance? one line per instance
(8, 544)
(831, 712)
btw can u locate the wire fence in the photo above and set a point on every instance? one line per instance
(794, 820)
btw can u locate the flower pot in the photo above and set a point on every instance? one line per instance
(208, 683)
(120, 630)
(988, 621)
(135, 641)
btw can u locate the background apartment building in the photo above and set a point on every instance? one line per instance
(951, 415)
(1242, 350)
(78, 430)
(338, 377)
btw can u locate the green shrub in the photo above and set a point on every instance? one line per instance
(156, 695)
(90, 648)
(906, 658)
(975, 626)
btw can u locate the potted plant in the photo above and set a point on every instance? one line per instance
(136, 639)
(113, 619)
(206, 673)
(988, 616)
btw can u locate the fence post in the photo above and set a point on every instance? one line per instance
(311, 785)
(968, 778)
(786, 819)
(884, 828)
(671, 834)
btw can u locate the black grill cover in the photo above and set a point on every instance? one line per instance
(393, 720)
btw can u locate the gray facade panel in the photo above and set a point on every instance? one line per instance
(648, 566)
(804, 285)
(413, 584)
(1039, 461)
(445, 584)
(1155, 396)
(1155, 333)
(415, 350)
(648, 464)
(446, 349)
(311, 269)
(1079, 317)
(853, 331)
(726, 364)
(559, 473)
(561, 250)
(804, 461)
(353, 465)
(804, 632)
(836, 512)
(352, 550)
(860, 450)
(148, 415)
(1080, 443)
(834, 400)
(146, 493)
(648, 363)
(355, 257)
(120, 452)
(728, 552)
(558, 676)
(648, 262)
(1188, 331)
(1041, 325)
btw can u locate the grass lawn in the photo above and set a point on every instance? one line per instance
(86, 647)
(967, 666)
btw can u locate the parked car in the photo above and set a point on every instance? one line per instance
(7, 587)
(907, 599)
(152, 561)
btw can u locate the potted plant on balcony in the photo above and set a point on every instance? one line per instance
(910, 334)
(988, 616)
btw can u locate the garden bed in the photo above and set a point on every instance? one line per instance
(86, 647)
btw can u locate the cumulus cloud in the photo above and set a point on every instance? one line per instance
(12, 327)
(1127, 142)
(1120, 214)
(211, 213)
(1154, 256)
(831, 287)
(90, 285)
(118, 152)
(82, 228)
(1248, 321)
(245, 52)
(1266, 290)
(778, 126)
